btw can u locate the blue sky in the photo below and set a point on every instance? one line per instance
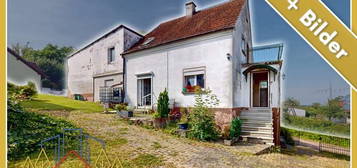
(75, 22)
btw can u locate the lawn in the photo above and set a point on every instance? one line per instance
(48, 102)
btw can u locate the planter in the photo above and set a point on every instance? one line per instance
(160, 122)
(230, 142)
(183, 126)
(125, 114)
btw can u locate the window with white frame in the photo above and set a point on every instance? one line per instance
(111, 55)
(194, 80)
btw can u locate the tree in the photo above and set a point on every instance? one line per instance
(163, 104)
(50, 59)
(290, 104)
(334, 108)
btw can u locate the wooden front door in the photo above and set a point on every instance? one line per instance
(260, 89)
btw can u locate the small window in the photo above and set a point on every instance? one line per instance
(263, 84)
(243, 46)
(111, 55)
(192, 83)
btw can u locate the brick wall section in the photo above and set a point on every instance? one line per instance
(276, 125)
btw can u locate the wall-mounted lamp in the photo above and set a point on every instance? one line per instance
(228, 56)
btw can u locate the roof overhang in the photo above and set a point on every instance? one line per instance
(259, 66)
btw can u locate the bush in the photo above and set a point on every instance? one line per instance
(163, 104)
(339, 141)
(236, 127)
(120, 107)
(20, 93)
(318, 125)
(26, 130)
(287, 136)
(202, 120)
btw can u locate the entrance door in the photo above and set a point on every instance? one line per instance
(144, 92)
(260, 89)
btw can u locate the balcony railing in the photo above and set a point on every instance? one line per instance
(110, 94)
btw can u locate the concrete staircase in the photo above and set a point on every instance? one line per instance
(257, 125)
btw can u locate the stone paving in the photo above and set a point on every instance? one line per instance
(131, 140)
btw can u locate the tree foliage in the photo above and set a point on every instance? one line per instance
(50, 59)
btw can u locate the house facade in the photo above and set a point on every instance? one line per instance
(21, 71)
(204, 49)
(99, 64)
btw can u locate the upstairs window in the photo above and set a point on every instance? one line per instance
(194, 80)
(111, 55)
(243, 46)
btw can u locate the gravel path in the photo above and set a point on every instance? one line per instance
(130, 140)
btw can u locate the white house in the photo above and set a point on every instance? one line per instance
(21, 71)
(206, 48)
(99, 64)
(209, 48)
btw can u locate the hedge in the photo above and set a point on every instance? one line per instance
(334, 140)
(317, 125)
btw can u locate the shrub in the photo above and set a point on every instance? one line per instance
(339, 141)
(201, 119)
(26, 130)
(184, 118)
(287, 136)
(20, 93)
(120, 107)
(236, 127)
(163, 104)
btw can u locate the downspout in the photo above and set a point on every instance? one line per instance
(124, 82)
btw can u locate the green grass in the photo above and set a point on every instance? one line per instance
(49, 102)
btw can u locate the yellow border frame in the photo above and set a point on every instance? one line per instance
(3, 124)
(353, 23)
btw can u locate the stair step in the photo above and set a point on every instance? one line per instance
(258, 119)
(256, 113)
(244, 132)
(254, 128)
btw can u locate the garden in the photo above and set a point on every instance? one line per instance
(158, 145)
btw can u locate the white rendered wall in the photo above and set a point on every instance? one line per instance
(93, 61)
(242, 28)
(168, 62)
(20, 74)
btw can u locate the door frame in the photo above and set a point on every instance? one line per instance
(251, 88)
(151, 91)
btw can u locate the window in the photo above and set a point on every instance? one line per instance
(263, 84)
(111, 55)
(243, 46)
(194, 79)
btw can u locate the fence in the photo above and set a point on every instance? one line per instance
(326, 145)
(322, 143)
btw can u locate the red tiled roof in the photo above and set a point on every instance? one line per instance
(220, 17)
(31, 65)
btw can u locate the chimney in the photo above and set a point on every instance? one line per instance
(190, 8)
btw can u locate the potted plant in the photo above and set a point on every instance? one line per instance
(160, 117)
(231, 134)
(124, 111)
(226, 136)
(183, 124)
